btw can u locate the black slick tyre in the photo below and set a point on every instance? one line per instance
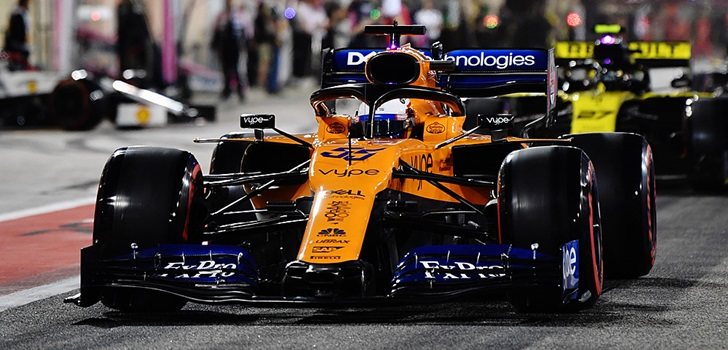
(707, 144)
(548, 196)
(624, 167)
(75, 106)
(147, 196)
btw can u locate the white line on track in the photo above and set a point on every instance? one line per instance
(37, 293)
(46, 209)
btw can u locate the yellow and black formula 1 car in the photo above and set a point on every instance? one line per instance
(610, 85)
(389, 201)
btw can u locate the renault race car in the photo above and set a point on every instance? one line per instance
(389, 201)
(611, 85)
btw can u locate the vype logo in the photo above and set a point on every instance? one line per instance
(499, 62)
(256, 120)
(498, 120)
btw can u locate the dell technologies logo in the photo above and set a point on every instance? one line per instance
(499, 62)
(356, 58)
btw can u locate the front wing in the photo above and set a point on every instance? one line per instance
(227, 274)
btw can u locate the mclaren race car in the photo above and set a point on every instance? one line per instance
(391, 200)
(612, 85)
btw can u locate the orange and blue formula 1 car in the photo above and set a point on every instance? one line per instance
(389, 201)
(613, 85)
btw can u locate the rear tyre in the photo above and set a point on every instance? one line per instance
(624, 167)
(548, 196)
(75, 105)
(708, 144)
(147, 196)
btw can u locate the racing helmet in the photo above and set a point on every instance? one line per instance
(391, 119)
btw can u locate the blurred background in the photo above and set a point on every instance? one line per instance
(271, 44)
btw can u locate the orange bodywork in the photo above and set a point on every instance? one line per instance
(344, 191)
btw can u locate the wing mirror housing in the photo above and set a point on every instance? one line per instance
(681, 82)
(497, 125)
(257, 121)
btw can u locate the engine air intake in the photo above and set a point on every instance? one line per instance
(392, 68)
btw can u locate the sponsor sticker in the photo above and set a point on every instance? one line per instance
(337, 211)
(331, 241)
(570, 265)
(435, 128)
(422, 162)
(344, 193)
(325, 249)
(349, 172)
(332, 232)
(660, 50)
(257, 121)
(353, 154)
(324, 257)
(460, 270)
(335, 128)
(494, 60)
(574, 49)
(205, 269)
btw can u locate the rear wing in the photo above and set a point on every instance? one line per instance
(477, 73)
(651, 54)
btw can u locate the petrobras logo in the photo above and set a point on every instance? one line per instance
(483, 59)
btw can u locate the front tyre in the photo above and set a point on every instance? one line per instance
(147, 196)
(547, 196)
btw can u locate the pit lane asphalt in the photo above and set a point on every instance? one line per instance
(681, 304)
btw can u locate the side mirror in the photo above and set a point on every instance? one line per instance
(497, 126)
(497, 122)
(257, 121)
(681, 82)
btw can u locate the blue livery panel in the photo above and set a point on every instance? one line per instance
(570, 269)
(478, 73)
(499, 60)
(189, 263)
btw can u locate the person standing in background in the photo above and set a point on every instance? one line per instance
(228, 41)
(431, 18)
(16, 38)
(337, 34)
(309, 26)
(134, 44)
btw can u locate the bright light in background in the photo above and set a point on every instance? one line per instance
(289, 13)
(95, 16)
(491, 21)
(374, 14)
(573, 19)
(608, 40)
(94, 13)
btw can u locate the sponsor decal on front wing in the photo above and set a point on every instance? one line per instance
(205, 269)
(460, 270)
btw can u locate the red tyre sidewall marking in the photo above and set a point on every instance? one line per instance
(650, 195)
(185, 233)
(597, 274)
(498, 217)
